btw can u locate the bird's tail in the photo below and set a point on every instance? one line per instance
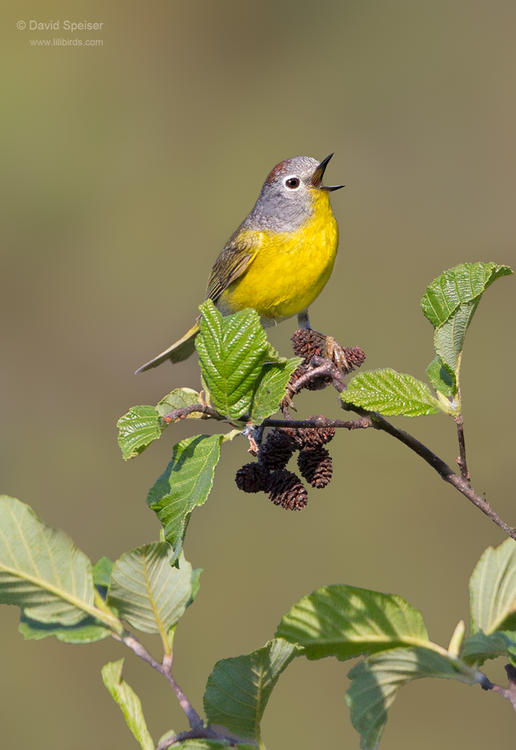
(179, 351)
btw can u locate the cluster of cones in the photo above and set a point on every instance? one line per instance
(308, 343)
(269, 473)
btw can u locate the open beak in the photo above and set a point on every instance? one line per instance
(319, 174)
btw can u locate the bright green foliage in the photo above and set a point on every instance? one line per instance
(442, 377)
(391, 393)
(59, 593)
(345, 621)
(244, 375)
(450, 302)
(143, 424)
(238, 689)
(178, 399)
(41, 570)
(184, 485)
(232, 350)
(138, 429)
(102, 572)
(195, 585)
(492, 590)
(87, 630)
(458, 286)
(148, 591)
(479, 647)
(271, 388)
(376, 681)
(128, 701)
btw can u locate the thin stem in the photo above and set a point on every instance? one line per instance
(509, 692)
(184, 411)
(461, 460)
(348, 424)
(165, 669)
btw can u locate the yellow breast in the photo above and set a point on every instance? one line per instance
(290, 268)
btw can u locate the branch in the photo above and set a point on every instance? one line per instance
(461, 460)
(165, 669)
(322, 366)
(297, 424)
(184, 411)
(509, 692)
(442, 468)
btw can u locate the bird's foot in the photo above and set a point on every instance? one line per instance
(337, 354)
(308, 343)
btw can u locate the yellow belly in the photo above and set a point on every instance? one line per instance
(289, 270)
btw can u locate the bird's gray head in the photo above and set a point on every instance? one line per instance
(286, 199)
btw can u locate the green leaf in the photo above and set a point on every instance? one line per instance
(238, 689)
(131, 706)
(87, 630)
(450, 302)
(390, 393)
(148, 591)
(178, 399)
(479, 646)
(271, 388)
(102, 572)
(195, 585)
(143, 424)
(449, 338)
(458, 286)
(345, 621)
(138, 429)
(492, 589)
(442, 377)
(41, 570)
(376, 681)
(185, 484)
(232, 350)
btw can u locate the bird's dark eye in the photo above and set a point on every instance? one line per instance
(292, 182)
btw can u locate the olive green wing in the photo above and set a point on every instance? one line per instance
(233, 261)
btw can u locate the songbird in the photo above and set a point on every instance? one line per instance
(280, 257)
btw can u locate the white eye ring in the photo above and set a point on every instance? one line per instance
(294, 181)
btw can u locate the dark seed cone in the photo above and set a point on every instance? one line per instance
(308, 343)
(252, 477)
(355, 356)
(315, 437)
(276, 451)
(287, 490)
(294, 436)
(316, 467)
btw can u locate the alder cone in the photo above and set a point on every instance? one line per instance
(315, 437)
(252, 477)
(287, 490)
(307, 343)
(316, 467)
(355, 356)
(276, 450)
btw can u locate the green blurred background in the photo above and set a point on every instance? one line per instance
(125, 168)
